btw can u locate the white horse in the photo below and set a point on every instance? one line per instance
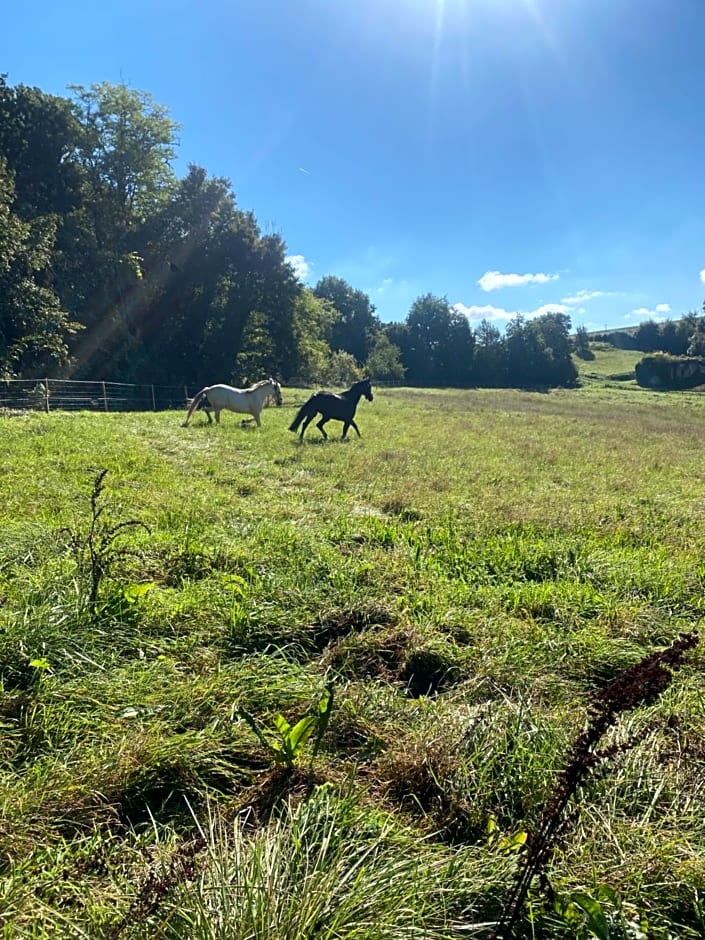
(248, 401)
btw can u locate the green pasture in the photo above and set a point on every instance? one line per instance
(609, 365)
(257, 688)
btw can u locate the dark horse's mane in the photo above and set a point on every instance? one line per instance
(333, 407)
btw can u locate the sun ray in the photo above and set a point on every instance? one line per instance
(548, 35)
(439, 20)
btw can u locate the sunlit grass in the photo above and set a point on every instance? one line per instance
(468, 574)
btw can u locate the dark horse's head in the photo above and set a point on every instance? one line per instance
(365, 388)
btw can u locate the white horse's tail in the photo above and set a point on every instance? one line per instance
(195, 402)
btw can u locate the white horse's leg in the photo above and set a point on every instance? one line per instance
(255, 415)
(217, 415)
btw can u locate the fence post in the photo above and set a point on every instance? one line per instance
(154, 403)
(46, 395)
(105, 397)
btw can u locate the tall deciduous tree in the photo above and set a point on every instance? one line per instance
(440, 343)
(222, 297)
(581, 344)
(648, 336)
(123, 149)
(126, 145)
(312, 324)
(33, 327)
(38, 133)
(696, 344)
(356, 327)
(538, 351)
(490, 356)
(384, 361)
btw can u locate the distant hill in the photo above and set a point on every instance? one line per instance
(628, 330)
(601, 335)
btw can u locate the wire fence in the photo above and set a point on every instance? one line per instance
(75, 395)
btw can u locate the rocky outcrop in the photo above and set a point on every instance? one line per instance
(670, 372)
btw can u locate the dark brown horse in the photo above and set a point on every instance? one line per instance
(332, 407)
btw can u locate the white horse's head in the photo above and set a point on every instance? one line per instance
(276, 392)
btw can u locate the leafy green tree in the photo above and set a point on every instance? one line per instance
(696, 345)
(688, 326)
(669, 339)
(342, 369)
(123, 150)
(278, 291)
(313, 319)
(126, 146)
(489, 357)
(399, 336)
(222, 298)
(33, 327)
(553, 330)
(440, 344)
(384, 361)
(523, 353)
(581, 344)
(648, 336)
(38, 133)
(539, 351)
(356, 327)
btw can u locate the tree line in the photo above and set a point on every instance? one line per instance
(683, 337)
(113, 268)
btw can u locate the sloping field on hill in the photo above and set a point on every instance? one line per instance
(609, 364)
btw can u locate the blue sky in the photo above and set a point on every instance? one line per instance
(512, 155)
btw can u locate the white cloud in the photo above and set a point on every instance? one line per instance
(582, 296)
(546, 308)
(302, 267)
(494, 280)
(490, 312)
(644, 313)
(702, 275)
(485, 312)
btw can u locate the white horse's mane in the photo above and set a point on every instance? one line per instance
(261, 383)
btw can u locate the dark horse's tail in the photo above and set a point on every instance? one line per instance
(304, 411)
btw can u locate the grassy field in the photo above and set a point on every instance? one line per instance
(253, 688)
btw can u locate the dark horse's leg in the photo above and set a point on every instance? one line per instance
(350, 423)
(319, 425)
(307, 421)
